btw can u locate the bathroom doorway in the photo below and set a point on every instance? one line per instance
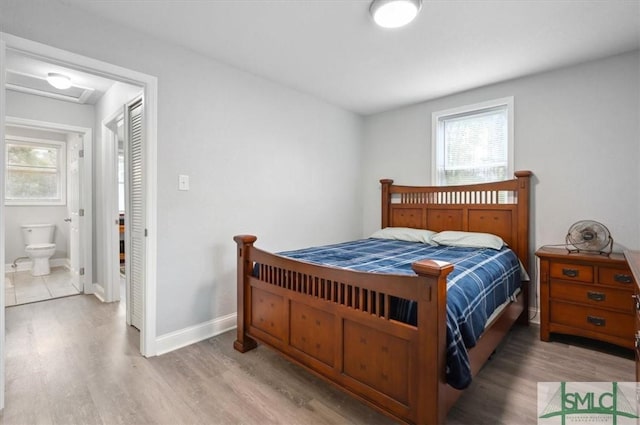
(46, 175)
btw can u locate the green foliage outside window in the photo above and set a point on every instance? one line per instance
(33, 173)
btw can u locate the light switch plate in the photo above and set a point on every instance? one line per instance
(183, 182)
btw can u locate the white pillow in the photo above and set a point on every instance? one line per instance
(468, 239)
(405, 234)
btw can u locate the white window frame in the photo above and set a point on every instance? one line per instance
(62, 170)
(437, 131)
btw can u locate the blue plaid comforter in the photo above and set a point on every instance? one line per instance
(482, 279)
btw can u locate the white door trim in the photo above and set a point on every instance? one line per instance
(2, 161)
(111, 229)
(149, 84)
(87, 187)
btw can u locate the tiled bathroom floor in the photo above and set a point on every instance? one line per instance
(22, 288)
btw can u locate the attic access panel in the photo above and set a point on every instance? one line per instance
(32, 84)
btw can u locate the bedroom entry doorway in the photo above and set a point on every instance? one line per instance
(149, 86)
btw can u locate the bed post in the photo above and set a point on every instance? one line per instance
(432, 341)
(245, 242)
(523, 235)
(523, 216)
(386, 201)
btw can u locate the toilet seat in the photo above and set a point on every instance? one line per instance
(40, 246)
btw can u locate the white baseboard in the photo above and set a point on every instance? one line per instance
(24, 264)
(187, 336)
(535, 313)
(98, 291)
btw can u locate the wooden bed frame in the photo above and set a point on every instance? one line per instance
(336, 323)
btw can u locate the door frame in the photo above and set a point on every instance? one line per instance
(85, 191)
(111, 229)
(149, 86)
(3, 96)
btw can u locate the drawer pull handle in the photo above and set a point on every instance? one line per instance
(637, 341)
(622, 278)
(596, 296)
(636, 300)
(570, 272)
(597, 321)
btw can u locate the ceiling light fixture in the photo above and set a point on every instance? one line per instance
(394, 13)
(59, 81)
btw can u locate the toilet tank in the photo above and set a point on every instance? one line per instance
(37, 233)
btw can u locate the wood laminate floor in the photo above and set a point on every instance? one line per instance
(74, 361)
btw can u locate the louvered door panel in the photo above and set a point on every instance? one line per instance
(135, 210)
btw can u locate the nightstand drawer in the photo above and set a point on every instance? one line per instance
(619, 277)
(569, 271)
(593, 319)
(596, 296)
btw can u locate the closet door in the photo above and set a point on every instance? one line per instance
(135, 224)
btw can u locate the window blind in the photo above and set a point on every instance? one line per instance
(474, 147)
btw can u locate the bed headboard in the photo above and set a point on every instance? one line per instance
(501, 208)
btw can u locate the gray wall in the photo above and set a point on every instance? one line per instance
(40, 108)
(262, 159)
(576, 128)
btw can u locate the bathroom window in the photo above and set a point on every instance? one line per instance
(35, 172)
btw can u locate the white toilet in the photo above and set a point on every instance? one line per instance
(39, 246)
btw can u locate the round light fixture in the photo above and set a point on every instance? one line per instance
(59, 81)
(394, 13)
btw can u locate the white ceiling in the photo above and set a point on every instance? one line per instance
(331, 49)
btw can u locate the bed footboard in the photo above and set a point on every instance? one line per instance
(336, 324)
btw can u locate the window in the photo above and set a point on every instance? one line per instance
(473, 144)
(35, 172)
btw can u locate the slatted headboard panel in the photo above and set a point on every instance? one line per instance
(501, 208)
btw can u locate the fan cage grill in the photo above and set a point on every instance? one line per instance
(589, 236)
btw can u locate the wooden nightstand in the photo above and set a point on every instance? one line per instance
(587, 295)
